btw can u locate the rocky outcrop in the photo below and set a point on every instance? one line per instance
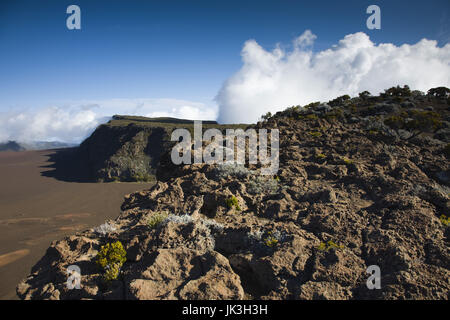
(129, 148)
(352, 191)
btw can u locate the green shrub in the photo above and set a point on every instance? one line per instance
(339, 100)
(364, 94)
(270, 241)
(445, 220)
(347, 161)
(110, 258)
(336, 113)
(320, 156)
(156, 219)
(330, 245)
(292, 110)
(396, 121)
(315, 133)
(397, 92)
(439, 92)
(312, 105)
(233, 202)
(424, 120)
(312, 117)
(419, 121)
(267, 116)
(141, 177)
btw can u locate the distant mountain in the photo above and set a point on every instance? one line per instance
(11, 146)
(34, 145)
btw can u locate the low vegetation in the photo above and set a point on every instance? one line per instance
(232, 202)
(270, 240)
(156, 219)
(233, 170)
(445, 220)
(110, 258)
(262, 185)
(330, 245)
(105, 229)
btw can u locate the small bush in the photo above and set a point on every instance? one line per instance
(424, 120)
(232, 169)
(339, 100)
(110, 258)
(395, 122)
(364, 94)
(439, 92)
(267, 116)
(315, 134)
(156, 219)
(291, 111)
(397, 92)
(233, 202)
(312, 117)
(320, 156)
(183, 219)
(105, 229)
(270, 241)
(330, 245)
(336, 113)
(141, 177)
(347, 161)
(262, 185)
(445, 220)
(213, 225)
(420, 121)
(312, 105)
(261, 240)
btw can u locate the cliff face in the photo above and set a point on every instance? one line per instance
(362, 182)
(129, 148)
(123, 153)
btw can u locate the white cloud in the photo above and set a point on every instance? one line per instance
(274, 80)
(74, 121)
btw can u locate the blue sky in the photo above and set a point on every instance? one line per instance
(183, 50)
(173, 49)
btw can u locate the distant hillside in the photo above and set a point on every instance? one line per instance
(11, 146)
(34, 145)
(129, 148)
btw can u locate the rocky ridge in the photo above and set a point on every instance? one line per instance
(362, 181)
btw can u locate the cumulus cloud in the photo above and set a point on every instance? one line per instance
(274, 80)
(72, 122)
